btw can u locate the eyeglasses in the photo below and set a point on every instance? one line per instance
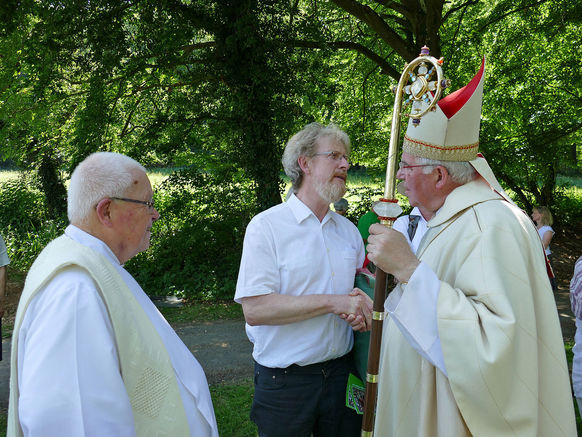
(402, 165)
(336, 156)
(150, 205)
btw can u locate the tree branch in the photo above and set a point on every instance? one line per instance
(502, 16)
(372, 19)
(385, 67)
(459, 7)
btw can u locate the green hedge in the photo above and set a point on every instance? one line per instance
(197, 243)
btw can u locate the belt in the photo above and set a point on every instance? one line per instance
(314, 368)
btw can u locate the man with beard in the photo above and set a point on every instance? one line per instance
(295, 285)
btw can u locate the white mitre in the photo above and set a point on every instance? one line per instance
(451, 131)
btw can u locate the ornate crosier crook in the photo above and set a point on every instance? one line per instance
(423, 93)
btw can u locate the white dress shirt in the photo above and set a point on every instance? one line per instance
(68, 369)
(287, 250)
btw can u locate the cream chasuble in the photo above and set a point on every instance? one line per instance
(498, 327)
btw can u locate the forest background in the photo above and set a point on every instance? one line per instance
(207, 92)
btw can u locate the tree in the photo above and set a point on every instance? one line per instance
(531, 116)
(169, 82)
(531, 119)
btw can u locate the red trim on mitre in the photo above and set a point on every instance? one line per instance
(452, 103)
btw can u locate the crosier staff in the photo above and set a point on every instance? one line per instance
(424, 88)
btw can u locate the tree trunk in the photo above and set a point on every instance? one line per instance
(53, 187)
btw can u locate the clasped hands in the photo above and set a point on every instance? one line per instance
(358, 312)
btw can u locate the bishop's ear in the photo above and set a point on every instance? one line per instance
(443, 176)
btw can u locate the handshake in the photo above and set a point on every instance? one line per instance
(357, 310)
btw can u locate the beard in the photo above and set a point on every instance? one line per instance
(330, 191)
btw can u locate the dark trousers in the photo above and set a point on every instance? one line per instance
(300, 400)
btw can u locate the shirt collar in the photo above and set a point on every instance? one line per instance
(301, 211)
(93, 243)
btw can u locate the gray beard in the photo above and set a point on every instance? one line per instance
(329, 191)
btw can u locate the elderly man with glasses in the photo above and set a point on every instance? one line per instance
(296, 287)
(91, 355)
(472, 342)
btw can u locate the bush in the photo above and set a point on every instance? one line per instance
(197, 243)
(24, 223)
(567, 210)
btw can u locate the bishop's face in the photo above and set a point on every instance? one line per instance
(417, 185)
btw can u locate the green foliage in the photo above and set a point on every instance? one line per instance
(567, 210)
(361, 198)
(197, 243)
(22, 206)
(25, 224)
(531, 106)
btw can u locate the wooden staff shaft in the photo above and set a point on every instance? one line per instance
(374, 354)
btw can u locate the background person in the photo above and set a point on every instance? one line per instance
(364, 223)
(91, 354)
(576, 303)
(413, 226)
(4, 261)
(295, 280)
(472, 343)
(341, 206)
(543, 219)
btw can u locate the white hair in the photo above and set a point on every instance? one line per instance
(304, 143)
(461, 172)
(100, 175)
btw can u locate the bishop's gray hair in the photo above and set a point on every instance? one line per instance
(304, 143)
(100, 175)
(461, 172)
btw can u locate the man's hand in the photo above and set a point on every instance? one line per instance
(390, 251)
(360, 319)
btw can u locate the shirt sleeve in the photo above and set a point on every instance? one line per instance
(417, 317)
(4, 259)
(259, 272)
(68, 369)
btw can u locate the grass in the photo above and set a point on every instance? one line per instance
(7, 175)
(203, 312)
(232, 405)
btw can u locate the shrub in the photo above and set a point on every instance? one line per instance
(197, 243)
(24, 222)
